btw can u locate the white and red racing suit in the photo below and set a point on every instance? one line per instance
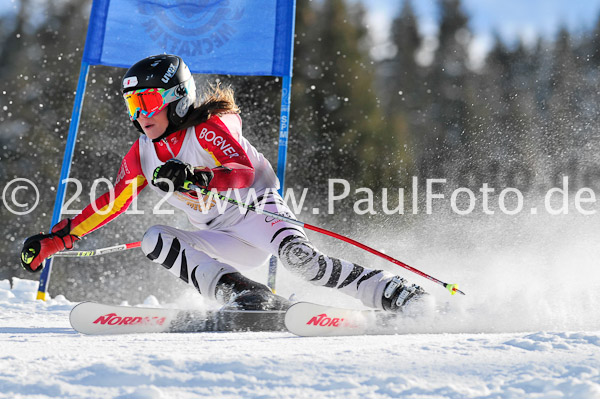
(226, 239)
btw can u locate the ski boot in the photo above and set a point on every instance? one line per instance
(397, 294)
(248, 305)
(238, 292)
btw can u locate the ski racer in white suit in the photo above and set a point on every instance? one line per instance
(186, 141)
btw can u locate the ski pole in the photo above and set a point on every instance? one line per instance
(100, 251)
(452, 288)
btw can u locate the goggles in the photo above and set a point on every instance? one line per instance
(150, 101)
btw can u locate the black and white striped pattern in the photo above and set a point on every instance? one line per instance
(163, 245)
(301, 257)
(174, 253)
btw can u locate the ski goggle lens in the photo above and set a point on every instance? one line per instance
(145, 101)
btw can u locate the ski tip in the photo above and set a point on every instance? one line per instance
(453, 289)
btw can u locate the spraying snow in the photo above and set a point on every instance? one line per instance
(525, 329)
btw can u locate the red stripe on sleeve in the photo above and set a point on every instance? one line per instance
(236, 169)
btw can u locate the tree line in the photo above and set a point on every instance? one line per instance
(525, 118)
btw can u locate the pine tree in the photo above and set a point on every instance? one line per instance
(401, 72)
(401, 82)
(335, 109)
(505, 107)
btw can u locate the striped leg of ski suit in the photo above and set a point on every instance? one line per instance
(201, 258)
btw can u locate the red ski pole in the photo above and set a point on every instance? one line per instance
(452, 288)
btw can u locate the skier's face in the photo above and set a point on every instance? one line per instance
(155, 126)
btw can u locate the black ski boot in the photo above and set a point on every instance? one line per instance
(397, 294)
(240, 293)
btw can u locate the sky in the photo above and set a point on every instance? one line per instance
(511, 19)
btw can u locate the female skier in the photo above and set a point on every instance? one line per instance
(183, 142)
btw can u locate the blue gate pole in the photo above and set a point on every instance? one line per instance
(284, 124)
(65, 170)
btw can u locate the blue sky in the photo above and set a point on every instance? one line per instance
(511, 19)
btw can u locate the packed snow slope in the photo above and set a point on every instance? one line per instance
(42, 357)
(529, 327)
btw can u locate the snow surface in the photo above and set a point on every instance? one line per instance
(42, 357)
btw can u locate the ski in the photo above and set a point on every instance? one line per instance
(101, 319)
(302, 318)
(312, 320)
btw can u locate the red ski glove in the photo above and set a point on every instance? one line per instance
(41, 246)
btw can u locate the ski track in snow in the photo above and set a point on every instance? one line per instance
(42, 357)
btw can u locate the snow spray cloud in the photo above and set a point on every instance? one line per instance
(519, 272)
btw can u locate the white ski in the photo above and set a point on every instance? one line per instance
(98, 318)
(312, 320)
(302, 318)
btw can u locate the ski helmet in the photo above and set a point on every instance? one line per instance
(174, 88)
